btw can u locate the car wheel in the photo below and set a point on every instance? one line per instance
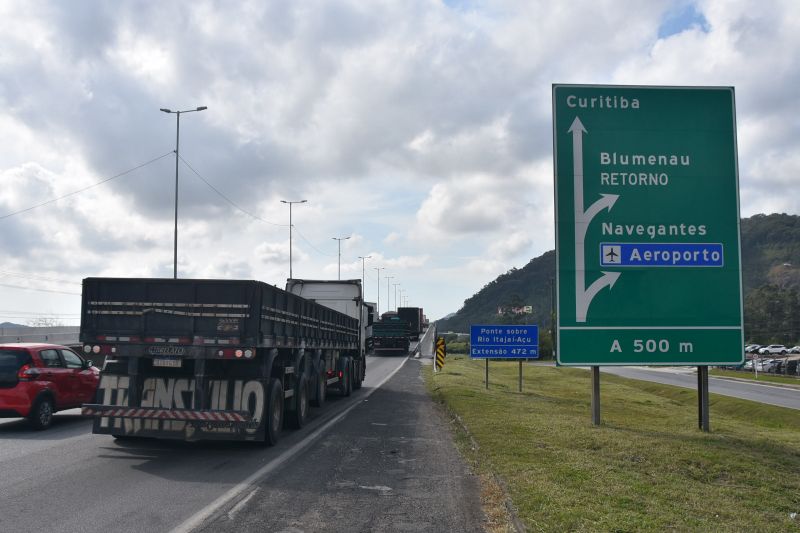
(41, 416)
(783, 352)
(274, 421)
(298, 415)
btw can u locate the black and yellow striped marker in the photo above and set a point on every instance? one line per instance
(441, 353)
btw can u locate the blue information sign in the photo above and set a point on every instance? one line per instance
(504, 342)
(664, 254)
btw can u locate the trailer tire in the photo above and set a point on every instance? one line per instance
(359, 365)
(322, 390)
(274, 420)
(346, 382)
(298, 415)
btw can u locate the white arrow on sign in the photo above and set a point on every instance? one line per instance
(584, 296)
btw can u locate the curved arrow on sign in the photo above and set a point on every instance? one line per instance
(584, 296)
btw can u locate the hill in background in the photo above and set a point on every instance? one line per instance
(770, 278)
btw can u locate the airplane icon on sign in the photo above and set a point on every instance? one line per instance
(612, 254)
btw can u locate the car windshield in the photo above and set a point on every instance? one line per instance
(10, 363)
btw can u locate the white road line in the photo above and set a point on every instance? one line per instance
(239, 506)
(197, 519)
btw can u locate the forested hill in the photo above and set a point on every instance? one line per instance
(770, 275)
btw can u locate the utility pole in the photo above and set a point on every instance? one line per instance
(339, 240)
(363, 279)
(378, 303)
(177, 157)
(290, 230)
(388, 307)
(395, 295)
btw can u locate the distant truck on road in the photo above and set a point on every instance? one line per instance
(415, 319)
(200, 359)
(390, 335)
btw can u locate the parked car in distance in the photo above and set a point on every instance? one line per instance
(36, 380)
(752, 348)
(794, 349)
(768, 365)
(774, 349)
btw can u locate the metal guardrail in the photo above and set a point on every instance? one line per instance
(54, 335)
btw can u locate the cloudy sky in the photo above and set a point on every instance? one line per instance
(421, 129)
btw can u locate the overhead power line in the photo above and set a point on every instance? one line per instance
(311, 245)
(40, 278)
(53, 200)
(190, 167)
(40, 290)
(256, 217)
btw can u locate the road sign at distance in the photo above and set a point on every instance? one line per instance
(504, 342)
(647, 226)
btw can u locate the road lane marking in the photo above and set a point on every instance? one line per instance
(239, 506)
(198, 518)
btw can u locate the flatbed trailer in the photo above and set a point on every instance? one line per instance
(199, 359)
(390, 336)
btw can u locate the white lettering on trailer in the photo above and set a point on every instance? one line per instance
(172, 393)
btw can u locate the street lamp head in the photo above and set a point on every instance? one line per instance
(202, 108)
(165, 110)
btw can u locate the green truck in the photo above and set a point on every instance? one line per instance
(390, 335)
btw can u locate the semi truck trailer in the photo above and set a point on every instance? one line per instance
(200, 359)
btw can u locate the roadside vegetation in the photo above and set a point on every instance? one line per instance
(762, 376)
(646, 468)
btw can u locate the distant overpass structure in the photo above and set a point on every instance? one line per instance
(54, 334)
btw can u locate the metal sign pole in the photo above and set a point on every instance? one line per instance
(704, 423)
(487, 373)
(520, 375)
(596, 395)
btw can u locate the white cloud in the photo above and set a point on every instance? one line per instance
(421, 131)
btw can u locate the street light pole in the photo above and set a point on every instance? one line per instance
(363, 279)
(339, 240)
(290, 230)
(177, 157)
(388, 307)
(378, 304)
(395, 295)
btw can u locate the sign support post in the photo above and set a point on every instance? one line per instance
(520, 375)
(487, 374)
(596, 395)
(702, 397)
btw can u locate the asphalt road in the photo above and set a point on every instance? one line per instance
(687, 377)
(66, 479)
(390, 466)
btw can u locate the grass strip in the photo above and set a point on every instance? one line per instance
(762, 376)
(646, 468)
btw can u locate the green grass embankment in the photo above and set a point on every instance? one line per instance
(762, 376)
(646, 468)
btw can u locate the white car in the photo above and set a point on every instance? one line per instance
(768, 365)
(774, 349)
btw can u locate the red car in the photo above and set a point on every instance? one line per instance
(36, 380)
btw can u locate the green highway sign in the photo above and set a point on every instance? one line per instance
(647, 226)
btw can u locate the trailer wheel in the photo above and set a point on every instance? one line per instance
(298, 415)
(346, 383)
(322, 390)
(359, 373)
(274, 421)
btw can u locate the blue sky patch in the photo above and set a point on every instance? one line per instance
(680, 19)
